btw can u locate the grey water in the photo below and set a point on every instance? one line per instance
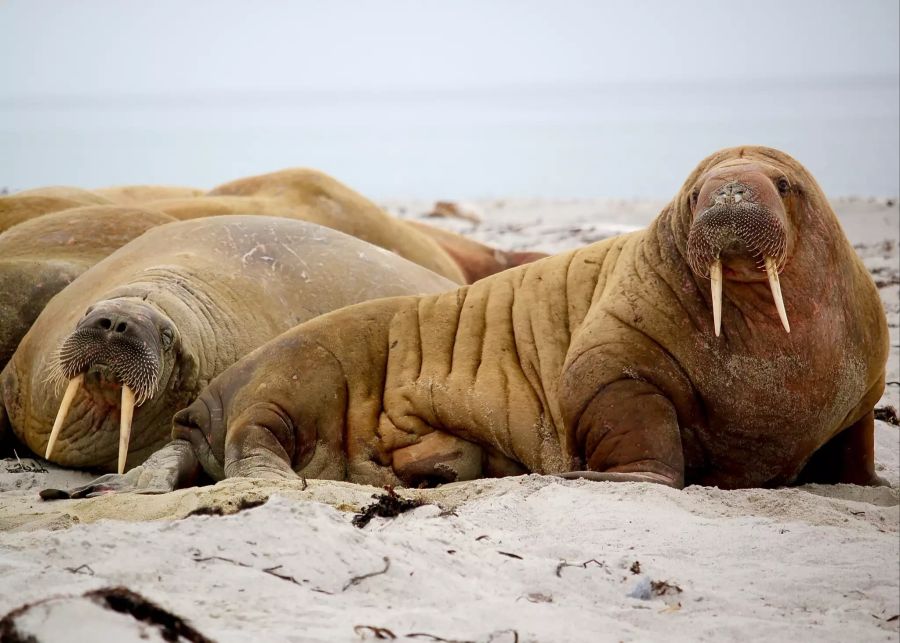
(615, 140)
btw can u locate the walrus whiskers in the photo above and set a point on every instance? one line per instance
(715, 277)
(127, 413)
(68, 396)
(775, 284)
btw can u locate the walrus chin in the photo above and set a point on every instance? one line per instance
(744, 221)
(118, 343)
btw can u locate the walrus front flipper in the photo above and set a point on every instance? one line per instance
(629, 432)
(849, 457)
(172, 467)
(257, 444)
(607, 476)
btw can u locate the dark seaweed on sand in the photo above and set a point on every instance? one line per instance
(386, 505)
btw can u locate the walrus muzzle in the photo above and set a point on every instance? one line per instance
(119, 346)
(734, 225)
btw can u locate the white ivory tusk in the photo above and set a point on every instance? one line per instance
(775, 284)
(68, 396)
(125, 425)
(715, 278)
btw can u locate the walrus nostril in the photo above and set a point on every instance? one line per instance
(121, 326)
(104, 323)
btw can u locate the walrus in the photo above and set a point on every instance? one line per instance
(139, 334)
(475, 259)
(28, 204)
(324, 200)
(299, 193)
(452, 255)
(41, 256)
(738, 341)
(139, 194)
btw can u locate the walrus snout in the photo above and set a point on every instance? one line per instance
(124, 340)
(739, 224)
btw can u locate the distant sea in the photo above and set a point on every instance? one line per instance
(622, 140)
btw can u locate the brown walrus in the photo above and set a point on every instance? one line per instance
(29, 204)
(607, 362)
(41, 256)
(152, 323)
(476, 260)
(305, 194)
(321, 199)
(138, 194)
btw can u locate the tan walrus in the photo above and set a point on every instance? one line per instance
(323, 200)
(29, 204)
(140, 194)
(737, 341)
(144, 330)
(299, 193)
(41, 256)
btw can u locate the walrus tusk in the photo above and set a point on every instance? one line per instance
(125, 425)
(68, 396)
(715, 277)
(775, 284)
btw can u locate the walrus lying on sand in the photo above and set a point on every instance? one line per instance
(299, 193)
(151, 324)
(40, 257)
(737, 341)
(328, 202)
(30, 204)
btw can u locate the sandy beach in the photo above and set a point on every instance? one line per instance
(518, 559)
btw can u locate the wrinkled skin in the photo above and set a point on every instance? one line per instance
(169, 311)
(601, 363)
(40, 257)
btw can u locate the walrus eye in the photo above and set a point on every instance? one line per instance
(783, 186)
(167, 337)
(695, 194)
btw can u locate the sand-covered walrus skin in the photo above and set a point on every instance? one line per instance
(152, 323)
(41, 256)
(604, 359)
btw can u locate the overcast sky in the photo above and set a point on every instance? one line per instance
(124, 46)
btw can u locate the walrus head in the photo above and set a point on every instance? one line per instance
(742, 227)
(120, 347)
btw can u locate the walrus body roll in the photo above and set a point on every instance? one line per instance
(603, 362)
(163, 315)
